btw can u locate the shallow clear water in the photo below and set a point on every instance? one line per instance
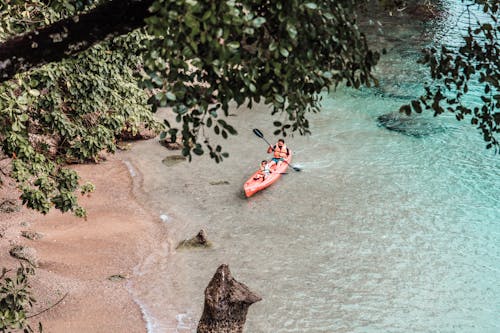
(380, 232)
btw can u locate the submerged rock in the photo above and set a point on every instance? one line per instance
(219, 182)
(415, 126)
(226, 304)
(200, 240)
(173, 160)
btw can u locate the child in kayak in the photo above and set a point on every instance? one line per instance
(264, 171)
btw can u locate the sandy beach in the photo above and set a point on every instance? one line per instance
(88, 264)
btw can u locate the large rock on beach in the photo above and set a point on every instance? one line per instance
(226, 304)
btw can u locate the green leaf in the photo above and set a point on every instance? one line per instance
(284, 52)
(291, 30)
(258, 21)
(249, 31)
(34, 92)
(22, 100)
(311, 5)
(487, 27)
(416, 106)
(405, 109)
(279, 98)
(327, 75)
(170, 96)
(233, 45)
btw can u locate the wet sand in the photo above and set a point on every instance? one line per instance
(76, 258)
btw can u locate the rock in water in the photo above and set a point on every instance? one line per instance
(200, 240)
(219, 182)
(415, 126)
(226, 304)
(173, 160)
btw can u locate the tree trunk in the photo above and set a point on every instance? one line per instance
(70, 36)
(226, 304)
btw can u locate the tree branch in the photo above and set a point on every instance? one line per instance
(70, 36)
(50, 307)
(4, 272)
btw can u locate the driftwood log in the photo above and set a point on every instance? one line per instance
(226, 304)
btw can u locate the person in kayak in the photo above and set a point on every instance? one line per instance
(264, 171)
(280, 152)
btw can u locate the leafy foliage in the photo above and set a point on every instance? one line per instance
(454, 70)
(16, 300)
(207, 54)
(69, 112)
(19, 16)
(198, 57)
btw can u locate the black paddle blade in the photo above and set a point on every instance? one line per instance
(258, 133)
(295, 168)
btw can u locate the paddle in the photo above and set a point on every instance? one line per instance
(260, 135)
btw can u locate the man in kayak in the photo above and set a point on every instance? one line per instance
(263, 172)
(280, 152)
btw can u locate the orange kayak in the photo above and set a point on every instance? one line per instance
(253, 186)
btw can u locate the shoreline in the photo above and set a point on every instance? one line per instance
(91, 262)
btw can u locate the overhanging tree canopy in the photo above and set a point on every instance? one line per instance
(196, 57)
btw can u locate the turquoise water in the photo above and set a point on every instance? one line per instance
(380, 232)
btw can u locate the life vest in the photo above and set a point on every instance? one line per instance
(264, 169)
(280, 153)
(262, 172)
